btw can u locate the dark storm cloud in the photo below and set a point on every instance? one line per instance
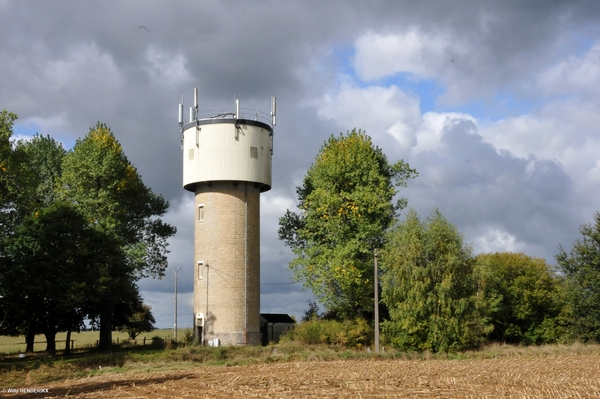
(476, 186)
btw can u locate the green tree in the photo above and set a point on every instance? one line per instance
(43, 159)
(7, 173)
(107, 189)
(28, 171)
(345, 207)
(429, 288)
(523, 297)
(49, 271)
(140, 321)
(581, 269)
(8, 176)
(15, 179)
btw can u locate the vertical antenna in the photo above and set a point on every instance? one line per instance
(196, 104)
(181, 120)
(274, 110)
(191, 114)
(181, 111)
(237, 109)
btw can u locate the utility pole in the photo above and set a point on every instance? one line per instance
(376, 304)
(175, 270)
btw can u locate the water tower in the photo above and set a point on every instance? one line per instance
(227, 164)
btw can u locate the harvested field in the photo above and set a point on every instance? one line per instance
(560, 376)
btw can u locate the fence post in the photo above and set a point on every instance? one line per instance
(144, 341)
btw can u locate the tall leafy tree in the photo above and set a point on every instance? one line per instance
(345, 206)
(581, 268)
(7, 176)
(428, 286)
(107, 189)
(28, 170)
(523, 297)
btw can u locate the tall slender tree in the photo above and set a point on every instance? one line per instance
(345, 206)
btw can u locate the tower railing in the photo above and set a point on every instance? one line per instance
(225, 113)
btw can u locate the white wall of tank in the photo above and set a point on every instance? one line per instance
(229, 150)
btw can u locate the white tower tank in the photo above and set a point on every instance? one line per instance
(227, 164)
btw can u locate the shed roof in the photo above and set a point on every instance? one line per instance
(277, 318)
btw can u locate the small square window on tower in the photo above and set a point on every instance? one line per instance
(200, 269)
(201, 213)
(254, 152)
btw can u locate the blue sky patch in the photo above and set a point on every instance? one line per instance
(29, 129)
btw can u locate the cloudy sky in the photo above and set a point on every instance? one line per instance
(495, 103)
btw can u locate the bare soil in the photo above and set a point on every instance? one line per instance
(554, 376)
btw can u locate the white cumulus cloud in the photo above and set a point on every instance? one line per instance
(413, 51)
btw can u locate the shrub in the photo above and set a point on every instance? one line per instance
(188, 336)
(346, 334)
(157, 342)
(429, 287)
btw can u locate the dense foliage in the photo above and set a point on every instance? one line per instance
(346, 204)
(523, 298)
(79, 228)
(49, 272)
(15, 184)
(345, 334)
(428, 287)
(581, 269)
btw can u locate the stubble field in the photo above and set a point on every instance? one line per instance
(561, 375)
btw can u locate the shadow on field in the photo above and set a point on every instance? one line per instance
(79, 361)
(98, 386)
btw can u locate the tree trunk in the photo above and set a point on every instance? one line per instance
(105, 331)
(50, 342)
(68, 342)
(30, 337)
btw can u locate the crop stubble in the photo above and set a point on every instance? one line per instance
(562, 376)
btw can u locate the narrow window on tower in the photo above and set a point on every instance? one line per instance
(200, 269)
(201, 213)
(254, 152)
